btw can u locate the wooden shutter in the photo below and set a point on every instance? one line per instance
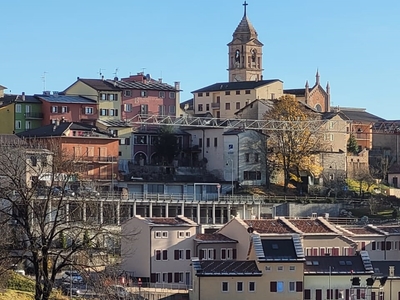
(215, 254)
(176, 277)
(373, 296)
(318, 294)
(169, 277)
(153, 277)
(223, 253)
(116, 113)
(358, 294)
(165, 254)
(273, 286)
(336, 294)
(234, 253)
(299, 286)
(201, 254)
(188, 254)
(307, 294)
(347, 294)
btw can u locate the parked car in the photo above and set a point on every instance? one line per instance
(88, 192)
(73, 276)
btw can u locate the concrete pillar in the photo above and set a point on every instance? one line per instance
(67, 218)
(207, 215)
(213, 213)
(228, 215)
(183, 209)
(244, 211)
(134, 208)
(118, 213)
(166, 210)
(259, 211)
(101, 212)
(198, 213)
(151, 209)
(84, 212)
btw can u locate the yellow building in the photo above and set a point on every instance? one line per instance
(7, 119)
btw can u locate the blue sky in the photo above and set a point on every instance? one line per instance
(355, 44)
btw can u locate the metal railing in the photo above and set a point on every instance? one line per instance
(33, 115)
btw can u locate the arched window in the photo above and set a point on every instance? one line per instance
(253, 55)
(318, 107)
(237, 56)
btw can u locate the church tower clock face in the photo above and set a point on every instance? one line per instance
(245, 52)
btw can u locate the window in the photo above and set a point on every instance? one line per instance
(207, 142)
(256, 157)
(128, 107)
(161, 110)
(187, 233)
(252, 175)
(143, 93)
(89, 110)
(165, 254)
(17, 124)
(252, 286)
(200, 94)
(292, 286)
(227, 93)
(103, 112)
(165, 277)
(144, 109)
(158, 254)
(171, 95)
(161, 94)
(207, 94)
(140, 140)
(18, 108)
(215, 142)
(54, 109)
(225, 286)
(200, 107)
(227, 106)
(239, 286)
(279, 286)
(64, 109)
(112, 97)
(280, 268)
(157, 234)
(268, 268)
(34, 161)
(179, 255)
(188, 256)
(237, 92)
(181, 234)
(247, 92)
(307, 294)
(28, 125)
(207, 107)
(112, 112)
(103, 96)
(172, 109)
(127, 93)
(247, 157)
(125, 141)
(165, 234)
(178, 277)
(292, 268)
(237, 105)
(200, 143)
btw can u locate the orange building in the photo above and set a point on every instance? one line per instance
(95, 153)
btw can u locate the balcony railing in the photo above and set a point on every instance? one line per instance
(215, 105)
(101, 159)
(33, 115)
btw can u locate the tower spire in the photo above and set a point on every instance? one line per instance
(245, 8)
(317, 78)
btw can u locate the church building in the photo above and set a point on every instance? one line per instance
(246, 83)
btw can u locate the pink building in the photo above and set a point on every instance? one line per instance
(67, 108)
(146, 96)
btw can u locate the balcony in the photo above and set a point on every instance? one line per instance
(215, 105)
(99, 159)
(33, 116)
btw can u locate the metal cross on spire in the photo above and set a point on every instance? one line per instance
(245, 7)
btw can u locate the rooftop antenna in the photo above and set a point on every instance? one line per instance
(44, 80)
(116, 72)
(101, 72)
(143, 70)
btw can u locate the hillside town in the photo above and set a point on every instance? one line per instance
(248, 190)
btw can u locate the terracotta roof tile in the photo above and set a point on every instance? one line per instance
(361, 230)
(226, 267)
(390, 229)
(269, 226)
(166, 221)
(213, 237)
(311, 226)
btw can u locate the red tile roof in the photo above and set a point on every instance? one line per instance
(213, 237)
(166, 221)
(269, 226)
(362, 230)
(311, 226)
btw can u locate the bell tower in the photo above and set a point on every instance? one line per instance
(245, 52)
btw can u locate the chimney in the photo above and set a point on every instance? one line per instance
(160, 80)
(177, 85)
(23, 96)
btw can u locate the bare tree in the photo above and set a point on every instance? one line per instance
(297, 139)
(364, 178)
(46, 229)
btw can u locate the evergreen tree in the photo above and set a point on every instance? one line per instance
(352, 146)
